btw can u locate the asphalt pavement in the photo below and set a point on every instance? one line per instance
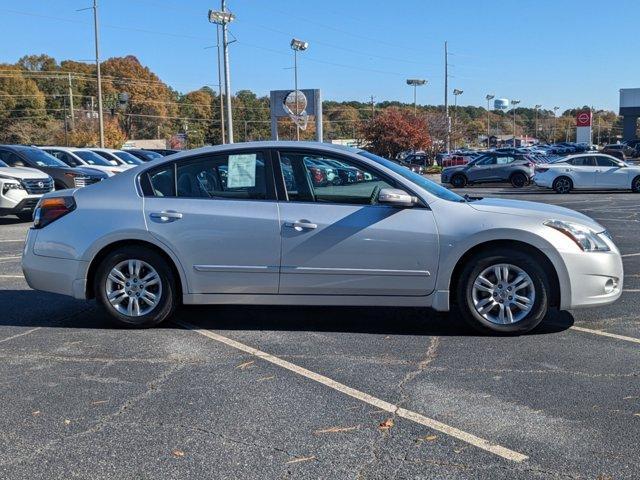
(277, 392)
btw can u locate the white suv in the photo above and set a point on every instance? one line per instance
(20, 190)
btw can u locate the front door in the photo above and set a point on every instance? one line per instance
(611, 173)
(336, 239)
(483, 170)
(218, 214)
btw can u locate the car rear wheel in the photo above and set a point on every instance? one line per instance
(518, 180)
(458, 181)
(562, 185)
(136, 287)
(504, 292)
(635, 185)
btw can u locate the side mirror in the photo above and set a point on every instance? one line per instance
(396, 197)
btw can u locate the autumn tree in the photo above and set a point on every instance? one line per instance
(394, 131)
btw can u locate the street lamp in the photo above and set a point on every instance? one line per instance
(555, 121)
(456, 92)
(536, 108)
(514, 103)
(415, 83)
(489, 98)
(297, 46)
(224, 18)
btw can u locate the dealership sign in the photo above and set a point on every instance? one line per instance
(583, 119)
(583, 127)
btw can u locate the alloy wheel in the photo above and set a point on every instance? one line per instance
(563, 185)
(133, 288)
(503, 294)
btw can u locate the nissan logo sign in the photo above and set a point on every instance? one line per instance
(41, 184)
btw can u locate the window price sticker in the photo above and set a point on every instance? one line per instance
(242, 171)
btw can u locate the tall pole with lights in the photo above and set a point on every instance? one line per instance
(555, 121)
(415, 83)
(489, 98)
(297, 46)
(514, 103)
(97, 42)
(537, 108)
(456, 93)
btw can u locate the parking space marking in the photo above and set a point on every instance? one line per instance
(20, 334)
(365, 397)
(605, 334)
(10, 258)
(11, 276)
(631, 255)
(12, 241)
(631, 290)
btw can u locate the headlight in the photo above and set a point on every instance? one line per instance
(586, 238)
(11, 186)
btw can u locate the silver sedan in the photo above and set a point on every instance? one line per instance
(261, 223)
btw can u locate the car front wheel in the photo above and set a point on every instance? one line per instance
(136, 287)
(635, 185)
(518, 180)
(504, 292)
(562, 185)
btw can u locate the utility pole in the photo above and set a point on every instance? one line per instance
(555, 122)
(222, 132)
(446, 96)
(227, 75)
(66, 129)
(514, 103)
(73, 117)
(489, 98)
(373, 107)
(97, 38)
(537, 108)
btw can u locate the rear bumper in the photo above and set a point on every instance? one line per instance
(541, 181)
(56, 275)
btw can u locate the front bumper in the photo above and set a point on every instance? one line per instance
(56, 275)
(595, 278)
(27, 204)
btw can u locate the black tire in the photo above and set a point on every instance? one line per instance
(458, 181)
(25, 216)
(635, 185)
(518, 180)
(168, 297)
(476, 265)
(562, 185)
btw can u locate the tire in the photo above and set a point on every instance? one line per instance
(562, 185)
(458, 181)
(518, 180)
(133, 290)
(481, 309)
(25, 216)
(635, 185)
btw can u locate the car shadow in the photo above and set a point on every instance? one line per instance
(12, 221)
(28, 308)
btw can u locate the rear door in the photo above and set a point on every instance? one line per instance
(217, 212)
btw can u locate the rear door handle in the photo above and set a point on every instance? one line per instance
(166, 216)
(301, 225)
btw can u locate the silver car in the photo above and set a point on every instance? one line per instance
(225, 225)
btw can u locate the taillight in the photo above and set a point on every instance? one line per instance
(52, 208)
(541, 169)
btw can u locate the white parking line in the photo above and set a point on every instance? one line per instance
(364, 397)
(12, 241)
(20, 334)
(605, 334)
(10, 258)
(631, 255)
(631, 290)
(11, 276)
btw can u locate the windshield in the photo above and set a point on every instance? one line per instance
(92, 158)
(431, 187)
(2, 164)
(149, 155)
(128, 158)
(42, 159)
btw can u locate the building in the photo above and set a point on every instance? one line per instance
(630, 110)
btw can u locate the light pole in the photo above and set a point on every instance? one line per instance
(555, 121)
(535, 133)
(456, 92)
(297, 46)
(97, 41)
(514, 103)
(224, 18)
(415, 83)
(489, 98)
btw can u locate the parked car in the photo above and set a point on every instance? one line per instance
(20, 190)
(418, 159)
(491, 168)
(118, 157)
(82, 157)
(419, 169)
(619, 150)
(398, 240)
(144, 155)
(162, 151)
(588, 171)
(63, 175)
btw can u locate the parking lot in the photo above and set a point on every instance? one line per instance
(274, 392)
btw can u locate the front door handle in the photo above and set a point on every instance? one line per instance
(301, 225)
(166, 216)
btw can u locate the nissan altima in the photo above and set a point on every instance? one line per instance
(225, 225)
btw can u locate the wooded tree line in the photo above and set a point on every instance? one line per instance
(46, 102)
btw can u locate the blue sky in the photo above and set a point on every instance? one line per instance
(563, 52)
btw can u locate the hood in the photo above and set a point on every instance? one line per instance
(22, 173)
(543, 211)
(90, 171)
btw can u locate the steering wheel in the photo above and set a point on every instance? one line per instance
(206, 183)
(373, 200)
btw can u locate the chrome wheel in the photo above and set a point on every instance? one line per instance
(503, 294)
(563, 185)
(133, 288)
